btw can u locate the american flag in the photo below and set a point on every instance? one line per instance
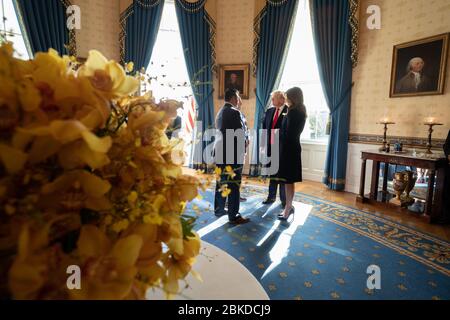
(190, 115)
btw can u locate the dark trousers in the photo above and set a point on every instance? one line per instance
(446, 200)
(234, 185)
(273, 186)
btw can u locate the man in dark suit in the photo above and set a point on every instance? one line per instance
(272, 121)
(229, 153)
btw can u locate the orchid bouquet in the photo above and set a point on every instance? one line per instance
(88, 179)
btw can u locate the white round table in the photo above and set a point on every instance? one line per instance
(224, 278)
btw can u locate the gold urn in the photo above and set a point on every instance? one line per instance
(399, 184)
(411, 178)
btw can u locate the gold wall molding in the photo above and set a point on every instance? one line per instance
(411, 142)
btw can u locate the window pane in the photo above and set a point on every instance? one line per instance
(19, 47)
(167, 63)
(301, 71)
(10, 27)
(168, 71)
(12, 24)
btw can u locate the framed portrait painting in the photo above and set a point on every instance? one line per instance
(234, 76)
(418, 67)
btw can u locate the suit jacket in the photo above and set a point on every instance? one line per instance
(447, 145)
(229, 118)
(407, 84)
(267, 124)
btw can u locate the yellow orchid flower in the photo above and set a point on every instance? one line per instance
(178, 266)
(187, 187)
(225, 191)
(108, 269)
(13, 159)
(50, 70)
(94, 101)
(129, 66)
(76, 140)
(29, 95)
(229, 171)
(150, 253)
(9, 112)
(107, 76)
(169, 106)
(37, 266)
(81, 145)
(78, 189)
(191, 248)
(6, 57)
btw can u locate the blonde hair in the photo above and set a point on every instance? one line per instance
(278, 93)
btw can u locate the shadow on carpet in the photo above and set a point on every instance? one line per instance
(324, 250)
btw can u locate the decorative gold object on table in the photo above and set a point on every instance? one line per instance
(88, 178)
(385, 122)
(411, 178)
(399, 184)
(430, 122)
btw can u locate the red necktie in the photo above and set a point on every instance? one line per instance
(274, 122)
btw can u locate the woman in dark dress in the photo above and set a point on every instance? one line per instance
(290, 170)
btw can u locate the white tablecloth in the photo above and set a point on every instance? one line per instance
(224, 278)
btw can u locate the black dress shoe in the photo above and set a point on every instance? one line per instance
(219, 213)
(268, 201)
(239, 220)
(242, 199)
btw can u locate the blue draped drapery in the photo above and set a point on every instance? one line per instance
(275, 28)
(195, 34)
(141, 25)
(332, 39)
(43, 24)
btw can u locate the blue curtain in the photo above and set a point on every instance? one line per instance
(141, 29)
(43, 23)
(276, 25)
(195, 37)
(332, 38)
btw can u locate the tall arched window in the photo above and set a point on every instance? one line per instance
(168, 72)
(301, 70)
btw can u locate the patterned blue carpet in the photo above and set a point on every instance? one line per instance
(324, 250)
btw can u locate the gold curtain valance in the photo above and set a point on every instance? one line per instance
(210, 16)
(126, 9)
(72, 45)
(354, 25)
(259, 12)
(192, 5)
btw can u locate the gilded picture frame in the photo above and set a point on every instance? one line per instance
(419, 67)
(235, 76)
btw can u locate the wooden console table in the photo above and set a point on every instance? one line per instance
(436, 164)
